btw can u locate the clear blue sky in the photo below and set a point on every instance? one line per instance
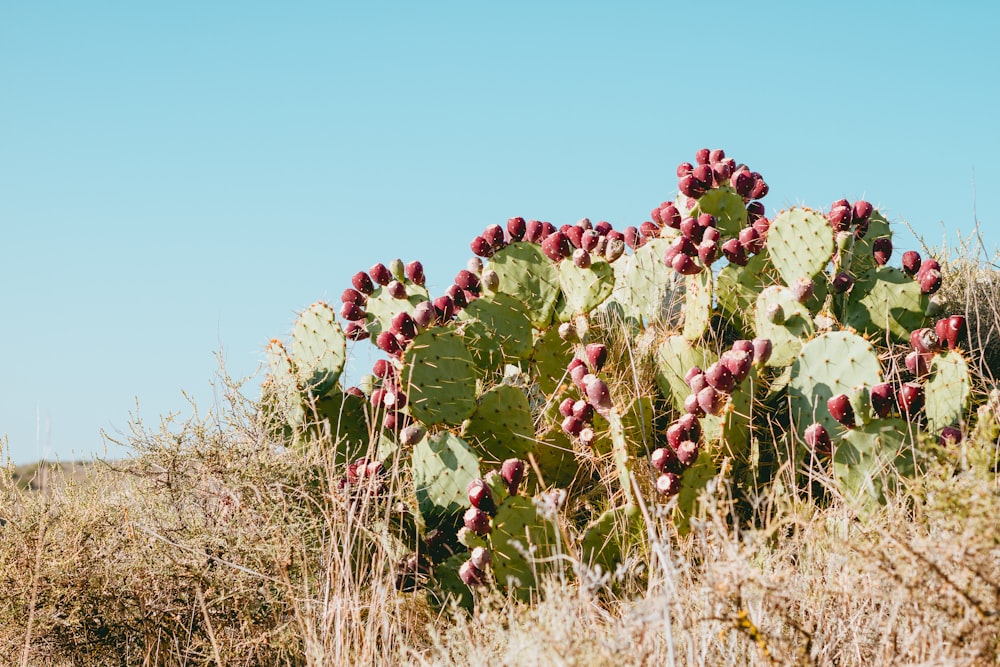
(180, 178)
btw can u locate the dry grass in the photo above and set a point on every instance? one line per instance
(212, 545)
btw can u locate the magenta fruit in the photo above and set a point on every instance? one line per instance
(415, 272)
(738, 363)
(380, 274)
(668, 484)
(862, 212)
(683, 169)
(516, 228)
(950, 436)
(925, 341)
(720, 377)
(930, 281)
(597, 355)
(840, 216)
(471, 575)
(396, 289)
(512, 472)
(911, 262)
(743, 182)
(556, 246)
(684, 265)
(735, 252)
(480, 495)
(356, 331)
(803, 289)
(363, 282)
(818, 439)
(760, 188)
(954, 331)
(702, 156)
(708, 251)
(882, 250)
(352, 312)
(493, 235)
(842, 282)
(424, 314)
(910, 397)
(711, 401)
(598, 395)
(762, 348)
(751, 240)
(583, 411)
(841, 410)
(351, 295)
(566, 407)
(581, 258)
(663, 459)
(692, 406)
(883, 397)
(687, 453)
(916, 363)
(572, 425)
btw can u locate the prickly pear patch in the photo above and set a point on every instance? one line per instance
(439, 377)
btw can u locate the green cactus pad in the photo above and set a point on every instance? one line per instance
(830, 364)
(728, 208)
(549, 360)
(497, 331)
(800, 244)
(946, 391)
(737, 288)
(608, 537)
(530, 277)
(674, 358)
(697, 304)
(693, 483)
(584, 289)
(450, 587)
(501, 427)
(319, 349)
(522, 541)
(644, 284)
(786, 336)
(886, 299)
(381, 307)
(862, 260)
(281, 395)
(443, 465)
(556, 458)
(439, 377)
(345, 417)
(870, 458)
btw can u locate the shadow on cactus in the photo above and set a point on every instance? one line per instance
(580, 367)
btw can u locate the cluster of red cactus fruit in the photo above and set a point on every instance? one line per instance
(477, 519)
(370, 476)
(700, 242)
(578, 414)
(580, 241)
(927, 272)
(908, 397)
(710, 392)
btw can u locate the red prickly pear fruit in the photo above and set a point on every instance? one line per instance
(738, 363)
(415, 272)
(950, 436)
(589, 240)
(574, 233)
(445, 307)
(676, 435)
(516, 228)
(566, 407)
(587, 436)
(663, 458)
(597, 354)
(396, 289)
(377, 399)
(670, 216)
(722, 171)
(583, 411)
(512, 472)
(842, 282)
(706, 221)
(581, 258)
(803, 289)
(735, 252)
(916, 363)
(743, 182)
(649, 230)
(762, 348)
(690, 229)
(480, 496)
(476, 521)
(940, 328)
(911, 262)
(841, 215)
(930, 264)
(356, 331)
(925, 341)
(760, 188)
(577, 374)
(708, 251)
(954, 331)
(692, 406)
(533, 231)
(363, 282)
(703, 176)
(818, 439)
(614, 249)
(684, 265)
(481, 247)
(381, 368)
(457, 295)
(683, 169)
(694, 370)
(355, 391)
(862, 212)
(494, 237)
(668, 484)
(603, 227)
(687, 453)
(380, 274)
(352, 312)
(351, 295)
(711, 234)
(930, 281)
(841, 410)
(883, 397)
(471, 575)
(572, 425)
(716, 155)
(763, 226)
(751, 240)
(743, 346)
(910, 397)
(424, 314)
(655, 215)
(755, 211)
(599, 395)
(480, 558)
(720, 377)
(403, 324)
(697, 383)
(882, 250)
(702, 156)
(689, 187)
(687, 427)
(556, 246)
(411, 435)
(632, 239)
(711, 401)
(467, 280)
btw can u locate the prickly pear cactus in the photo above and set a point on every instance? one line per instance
(443, 466)
(947, 391)
(800, 244)
(523, 541)
(440, 377)
(319, 348)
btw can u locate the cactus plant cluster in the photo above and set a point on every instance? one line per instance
(502, 402)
